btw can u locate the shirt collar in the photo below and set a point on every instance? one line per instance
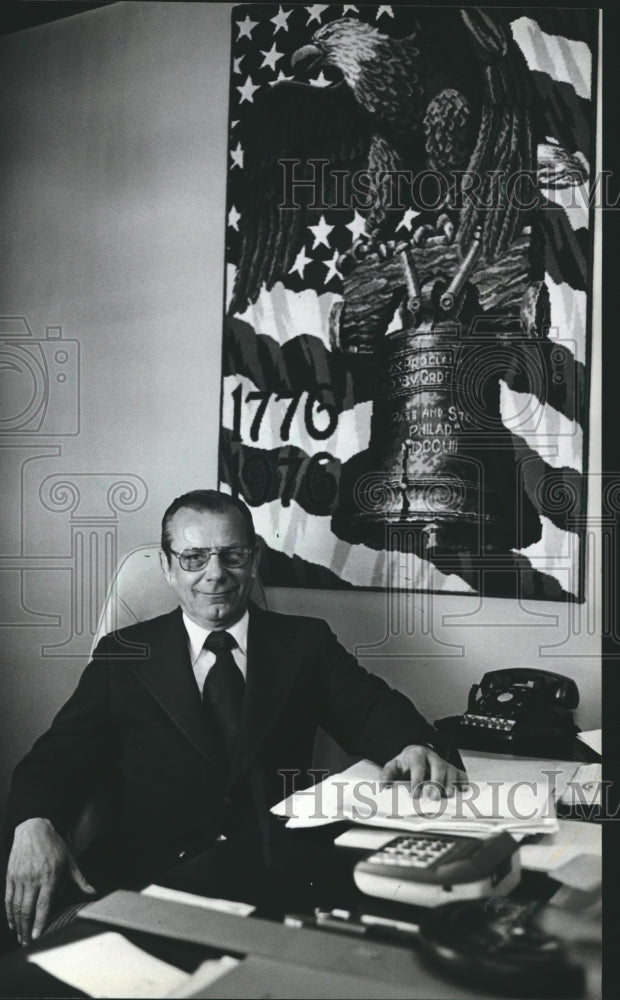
(197, 635)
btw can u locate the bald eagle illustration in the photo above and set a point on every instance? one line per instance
(453, 97)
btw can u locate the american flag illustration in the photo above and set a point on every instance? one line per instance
(297, 412)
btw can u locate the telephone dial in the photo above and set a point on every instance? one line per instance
(518, 710)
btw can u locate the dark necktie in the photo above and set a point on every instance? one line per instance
(224, 688)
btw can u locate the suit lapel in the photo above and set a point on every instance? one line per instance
(168, 676)
(270, 675)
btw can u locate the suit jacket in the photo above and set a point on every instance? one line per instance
(136, 720)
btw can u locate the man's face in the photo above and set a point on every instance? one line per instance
(215, 596)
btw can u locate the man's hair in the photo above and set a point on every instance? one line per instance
(206, 501)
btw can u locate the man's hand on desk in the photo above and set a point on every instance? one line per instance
(38, 861)
(419, 764)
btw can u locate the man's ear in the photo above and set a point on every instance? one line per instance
(165, 565)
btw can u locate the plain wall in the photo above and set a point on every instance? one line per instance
(112, 186)
(112, 183)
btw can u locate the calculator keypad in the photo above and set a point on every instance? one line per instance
(413, 852)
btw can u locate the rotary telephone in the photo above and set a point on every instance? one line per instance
(518, 710)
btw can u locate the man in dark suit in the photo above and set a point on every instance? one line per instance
(196, 719)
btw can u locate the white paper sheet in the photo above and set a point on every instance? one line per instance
(507, 803)
(553, 774)
(592, 738)
(322, 803)
(108, 965)
(483, 807)
(208, 902)
(364, 838)
(585, 788)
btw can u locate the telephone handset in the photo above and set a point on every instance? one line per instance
(518, 710)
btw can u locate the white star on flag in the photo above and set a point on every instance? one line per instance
(247, 91)
(321, 233)
(271, 57)
(332, 269)
(234, 123)
(357, 226)
(233, 218)
(237, 64)
(348, 6)
(300, 263)
(237, 156)
(280, 20)
(315, 12)
(384, 8)
(407, 220)
(320, 80)
(280, 79)
(246, 27)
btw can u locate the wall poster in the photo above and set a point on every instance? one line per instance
(408, 294)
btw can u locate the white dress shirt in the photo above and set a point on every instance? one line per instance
(203, 659)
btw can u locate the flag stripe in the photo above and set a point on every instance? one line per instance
(579, 24)
(574, 201)
(545, 430)
(283, 314)
(300, 365)
(568, 326)
(568, 116)
(557, 555)
(566, 60)
(567, 250)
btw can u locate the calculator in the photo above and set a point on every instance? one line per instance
(427, 869)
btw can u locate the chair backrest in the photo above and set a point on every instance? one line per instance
(139, 591)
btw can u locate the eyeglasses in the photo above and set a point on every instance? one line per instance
(232, 557)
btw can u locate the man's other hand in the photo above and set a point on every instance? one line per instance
(38, 862)
(428, 773)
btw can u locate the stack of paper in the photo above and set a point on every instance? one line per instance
(482, 807)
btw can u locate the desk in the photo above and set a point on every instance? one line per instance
(401, 966)
(310, 873)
